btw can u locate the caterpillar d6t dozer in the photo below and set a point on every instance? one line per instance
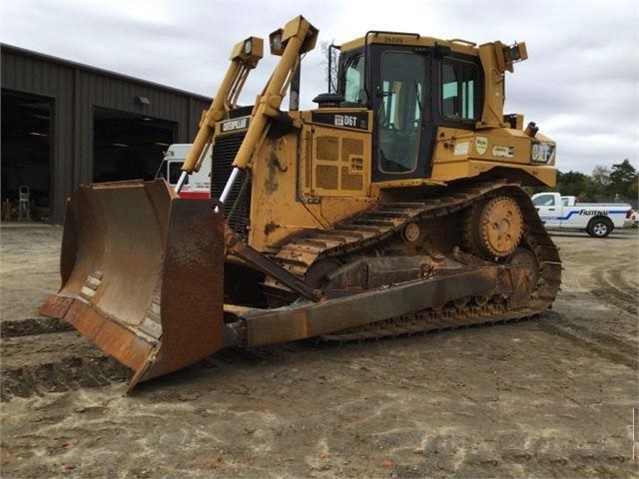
(394, 207)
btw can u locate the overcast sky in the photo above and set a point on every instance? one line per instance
(580, 83)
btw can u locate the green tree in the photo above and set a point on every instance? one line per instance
(623, 179)
(575, 183)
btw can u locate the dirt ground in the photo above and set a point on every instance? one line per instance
(553, 396)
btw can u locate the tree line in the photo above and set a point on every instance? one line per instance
(620, 182)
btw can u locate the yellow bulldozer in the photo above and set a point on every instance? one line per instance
(394, 207)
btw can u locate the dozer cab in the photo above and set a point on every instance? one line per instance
(394, 207)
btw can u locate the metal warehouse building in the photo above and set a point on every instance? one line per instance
(65, 124)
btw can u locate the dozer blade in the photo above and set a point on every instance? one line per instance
(142, 275)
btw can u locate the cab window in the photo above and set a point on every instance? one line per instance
(354, 90)
(544, 200)
(175, 170)
(460, 94)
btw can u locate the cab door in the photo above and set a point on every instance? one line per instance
(402, 135)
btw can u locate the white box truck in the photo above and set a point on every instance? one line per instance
(198, 184)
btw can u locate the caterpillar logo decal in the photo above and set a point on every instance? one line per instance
(234, 125)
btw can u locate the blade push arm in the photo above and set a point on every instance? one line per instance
(297, 37)
(244, 57)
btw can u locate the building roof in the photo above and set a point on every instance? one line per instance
(60, 61)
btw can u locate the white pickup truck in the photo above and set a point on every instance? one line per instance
(565, 213)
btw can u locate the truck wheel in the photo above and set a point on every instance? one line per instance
(599, 227)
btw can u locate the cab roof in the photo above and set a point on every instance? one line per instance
(411, 39)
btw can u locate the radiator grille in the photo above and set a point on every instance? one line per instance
(237, 206)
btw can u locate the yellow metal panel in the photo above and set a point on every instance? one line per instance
(339, 163)
(468, 169)
(281, 207)
(501, 145)
(376, 188)
(461, 154)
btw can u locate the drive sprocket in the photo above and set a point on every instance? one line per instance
(494, 228)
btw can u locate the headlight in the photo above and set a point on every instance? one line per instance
(276, 42)
(248, 47)
(543, 153)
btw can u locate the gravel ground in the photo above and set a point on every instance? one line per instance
(553, 396)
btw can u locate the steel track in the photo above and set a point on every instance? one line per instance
(369, 229)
